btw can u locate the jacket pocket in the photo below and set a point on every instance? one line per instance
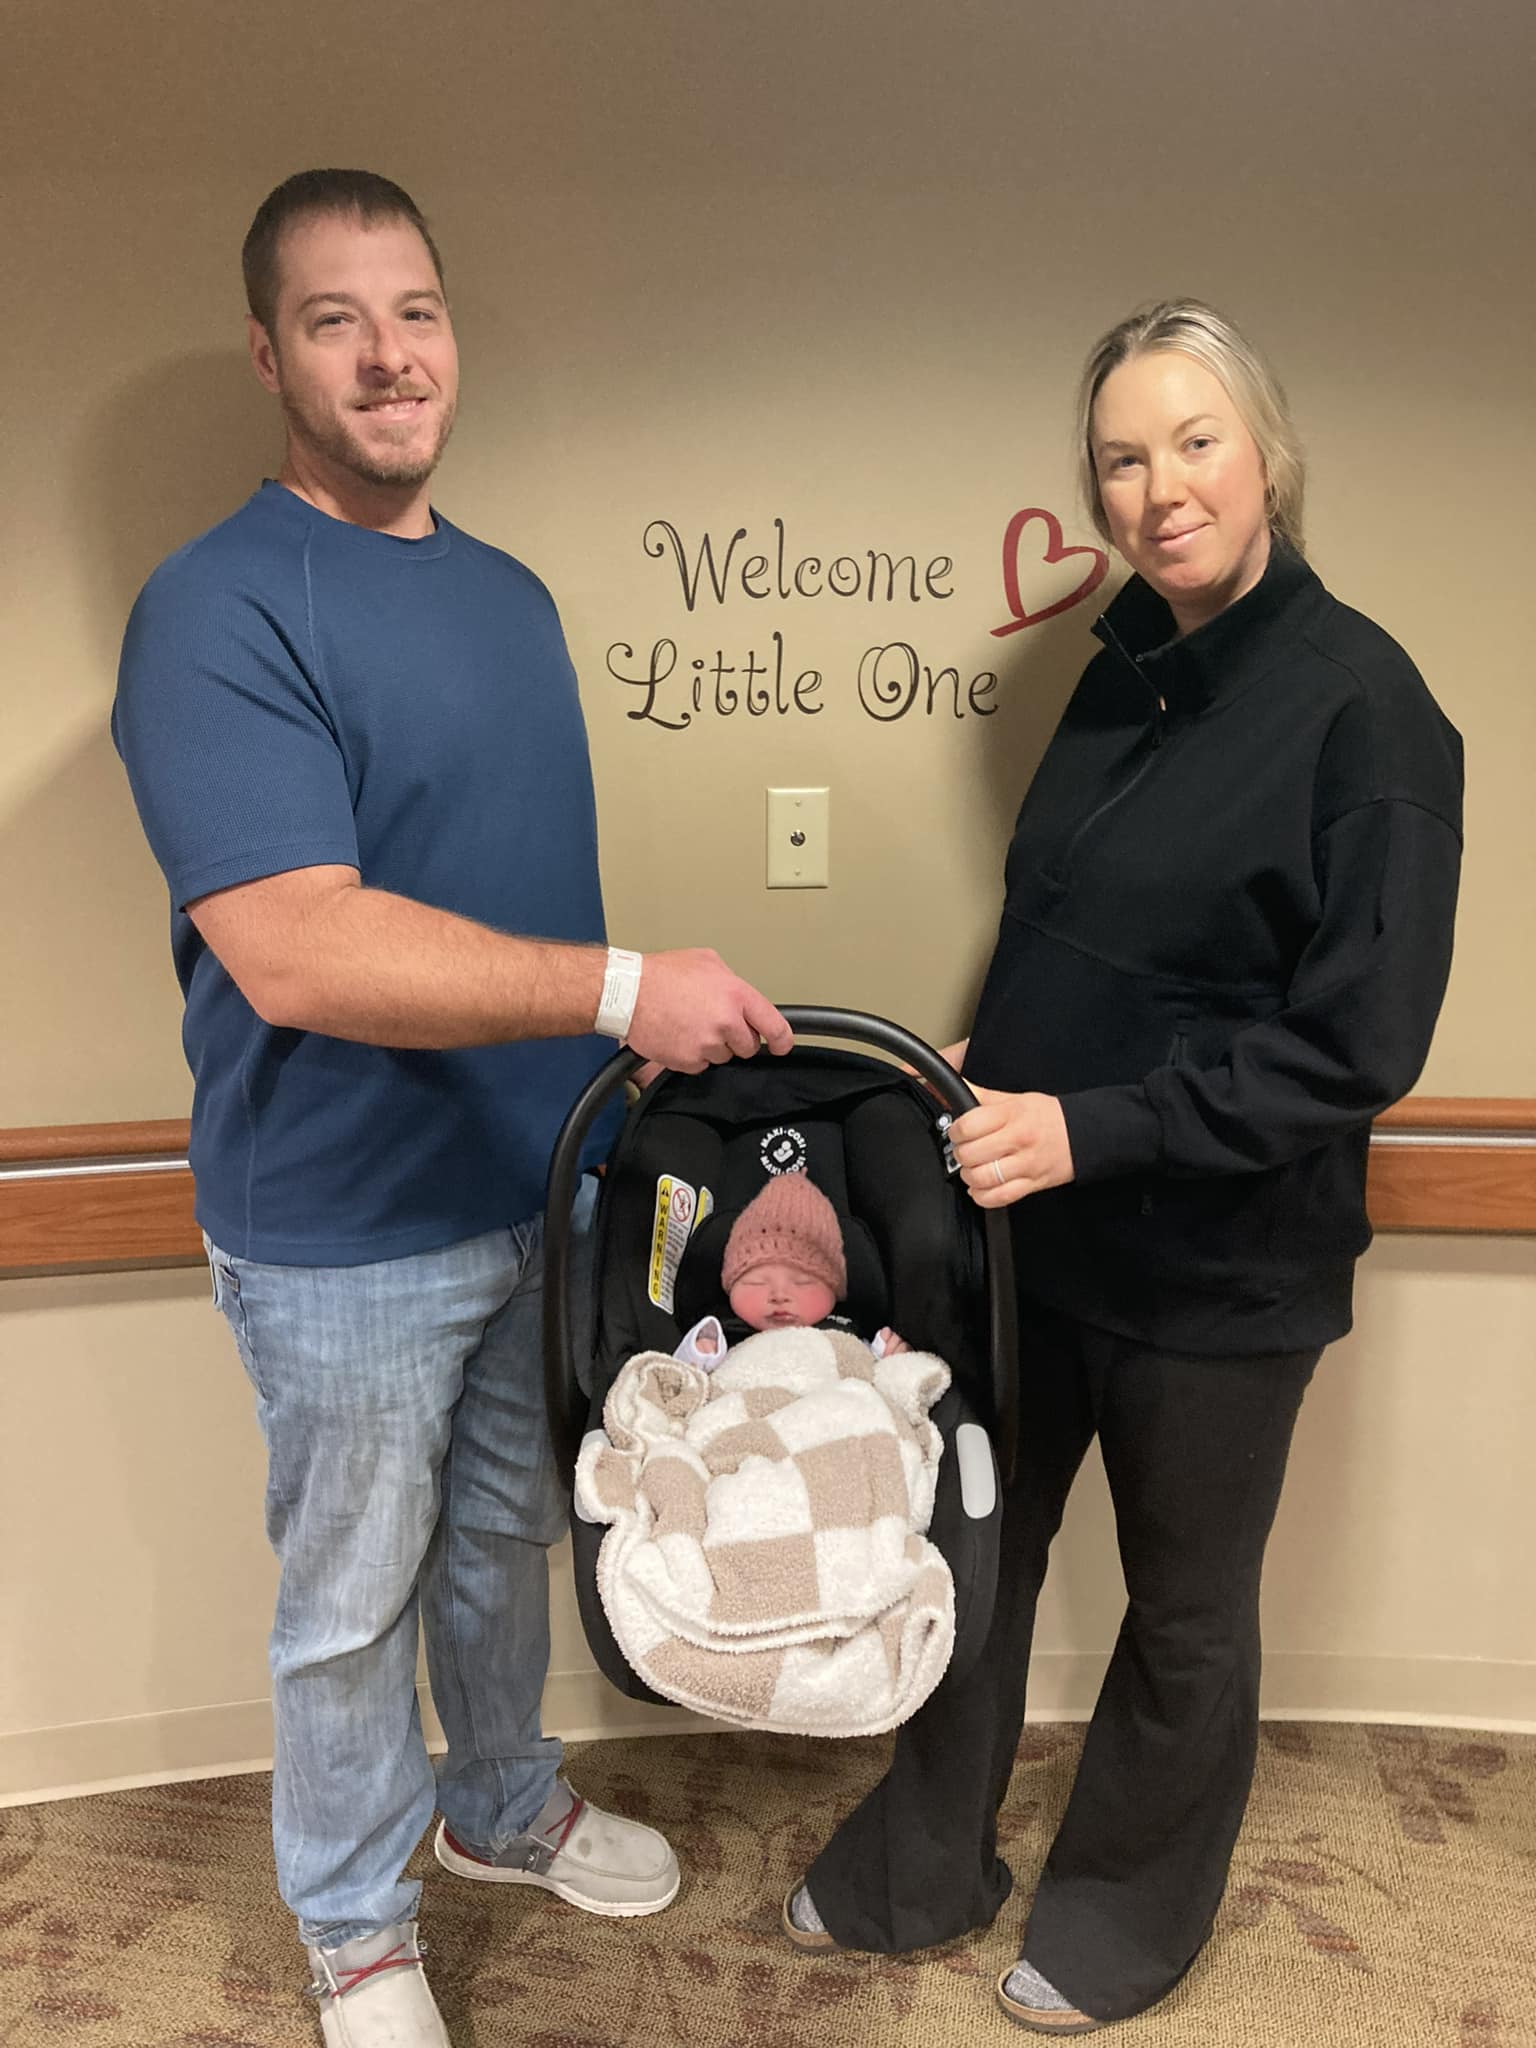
(1175, 1055)
(1212, 1232)
(1254, 1231)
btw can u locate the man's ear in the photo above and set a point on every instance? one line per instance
(263, 354)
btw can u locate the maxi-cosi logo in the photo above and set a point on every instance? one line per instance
(783, 1150)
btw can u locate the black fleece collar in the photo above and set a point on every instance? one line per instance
(1225, 654)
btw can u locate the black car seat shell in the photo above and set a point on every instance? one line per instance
(693, 1151)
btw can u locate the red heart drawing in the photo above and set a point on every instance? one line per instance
(1054, 552)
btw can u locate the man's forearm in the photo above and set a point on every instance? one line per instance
(383, 970)
(311, 949)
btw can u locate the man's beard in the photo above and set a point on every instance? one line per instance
(331, 438)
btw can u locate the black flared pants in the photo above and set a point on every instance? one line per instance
(1195, 1451)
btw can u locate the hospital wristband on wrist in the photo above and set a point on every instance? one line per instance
(621, 991)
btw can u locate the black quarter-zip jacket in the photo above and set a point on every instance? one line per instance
(1225, 940)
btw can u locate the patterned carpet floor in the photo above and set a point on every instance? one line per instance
(1383, 1896)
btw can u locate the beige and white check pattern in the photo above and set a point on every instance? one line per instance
(767, 1562)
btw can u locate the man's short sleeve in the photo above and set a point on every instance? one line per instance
(232, 759)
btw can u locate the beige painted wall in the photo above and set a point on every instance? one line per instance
(835, 264)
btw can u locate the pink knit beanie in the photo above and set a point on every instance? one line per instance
(792, 1221)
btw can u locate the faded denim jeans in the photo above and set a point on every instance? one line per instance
(408, 1465)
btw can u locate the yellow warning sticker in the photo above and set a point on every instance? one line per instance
(677, 1210)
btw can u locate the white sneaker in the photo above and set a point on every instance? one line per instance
(373, 1993)
(593, 1859)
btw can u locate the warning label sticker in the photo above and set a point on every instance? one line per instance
(677, 1211)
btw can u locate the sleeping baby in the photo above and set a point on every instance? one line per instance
(784, 1268)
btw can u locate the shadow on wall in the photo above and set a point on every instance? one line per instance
(132, 1480)
(173, 451)
(87, 918)
(1037, 671)
(168, 454)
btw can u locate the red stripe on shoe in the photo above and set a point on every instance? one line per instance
(459, 1849)
(348, 1980)
(578, 1807)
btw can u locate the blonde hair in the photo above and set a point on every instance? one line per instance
(1189, 327)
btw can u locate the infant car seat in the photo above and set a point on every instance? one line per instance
(692, 1153)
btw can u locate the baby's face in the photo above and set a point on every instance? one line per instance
(775, 1296)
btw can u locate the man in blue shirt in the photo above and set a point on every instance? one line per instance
(354, 738)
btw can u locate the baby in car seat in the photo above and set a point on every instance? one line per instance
(784, 1268)
(768, 1491)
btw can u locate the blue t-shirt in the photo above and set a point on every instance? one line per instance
(298, 692)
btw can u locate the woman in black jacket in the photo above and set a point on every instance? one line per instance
(1225, 939)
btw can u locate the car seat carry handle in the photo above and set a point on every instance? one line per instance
(562, 1392)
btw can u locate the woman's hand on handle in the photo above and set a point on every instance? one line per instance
(952, 1055)
(1011, 1146)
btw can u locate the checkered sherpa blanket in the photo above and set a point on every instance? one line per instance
(767, 1562)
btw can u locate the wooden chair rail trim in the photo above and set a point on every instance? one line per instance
(1474, 1171)
(39, 1144)
(43, 1144)
(1462, 1115)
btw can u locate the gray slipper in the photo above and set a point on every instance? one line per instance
(811, 1938)
(1043, 2019)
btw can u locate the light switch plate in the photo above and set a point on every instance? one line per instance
(797, 838)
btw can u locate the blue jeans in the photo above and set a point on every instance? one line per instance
(409, 1462)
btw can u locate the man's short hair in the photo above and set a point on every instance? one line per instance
(363, 194)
